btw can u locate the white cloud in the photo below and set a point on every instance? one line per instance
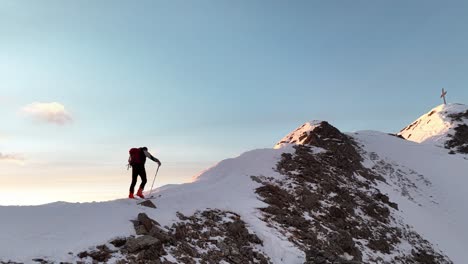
(14, 158)
(48, 112)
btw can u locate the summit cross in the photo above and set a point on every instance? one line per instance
(443, 95)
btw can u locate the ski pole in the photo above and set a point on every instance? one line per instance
(151, 190)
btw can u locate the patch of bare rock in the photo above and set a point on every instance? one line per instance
(211, 236)
(458, 141)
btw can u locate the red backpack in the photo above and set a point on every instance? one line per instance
(136, 156)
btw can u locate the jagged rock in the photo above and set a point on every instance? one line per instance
(180, 232)
(459, 140)
(119, 242)
(158, 233)
(83, 254)
(148, 203)
(188, 249)
(459, 117)
(154, 252)
(256, 179)
(384, 198)
(101, 254)
(104, 248)
(422, 256)
(147, 222)
(237, 230)
(224, 249)
(41, 261)
(141, 230)
(140, 243)
(187, 260)
(181, 216)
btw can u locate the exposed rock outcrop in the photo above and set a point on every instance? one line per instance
(459, 140)
(329, 206)
(211, 236)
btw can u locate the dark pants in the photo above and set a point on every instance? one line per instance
(138, 170)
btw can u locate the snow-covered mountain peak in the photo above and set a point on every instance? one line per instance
(308, 134)
(444, 126)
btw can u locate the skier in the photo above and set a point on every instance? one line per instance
(137, 161)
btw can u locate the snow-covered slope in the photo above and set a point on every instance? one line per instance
(318, 195)
(440, 127)
(51, 231)
(428, 185)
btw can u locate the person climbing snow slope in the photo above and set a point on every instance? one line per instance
(137, 161)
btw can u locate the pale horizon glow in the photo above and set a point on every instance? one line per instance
(12, 158)
(92, 185)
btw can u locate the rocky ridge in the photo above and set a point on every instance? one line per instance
(458, 141)
(329, 206)
(211, 236)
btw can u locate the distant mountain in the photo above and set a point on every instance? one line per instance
(319, 196)
(444, 126)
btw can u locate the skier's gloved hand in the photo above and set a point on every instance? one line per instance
(158, 162)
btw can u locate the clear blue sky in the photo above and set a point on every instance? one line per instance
(200, 81)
